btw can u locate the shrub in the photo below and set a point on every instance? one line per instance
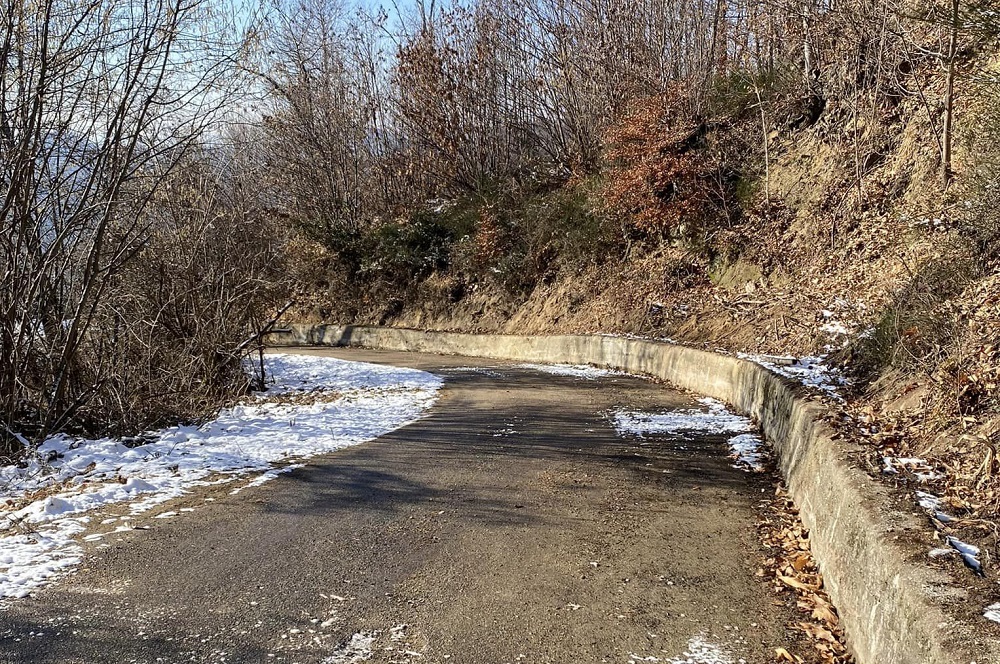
(405, 250)
(165, 340)
(168, 344)
(738, 94)
(660, 176)
(565, 229)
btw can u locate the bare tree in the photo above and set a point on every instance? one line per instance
(99, 101)
(949, 99)
(375, 118)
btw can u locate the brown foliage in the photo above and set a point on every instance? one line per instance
(793, 571)
(489, 238)
(658, 176)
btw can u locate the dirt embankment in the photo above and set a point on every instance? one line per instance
(828, 256)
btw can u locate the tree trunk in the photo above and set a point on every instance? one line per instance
(949, 101)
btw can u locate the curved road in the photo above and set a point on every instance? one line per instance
(510, 525)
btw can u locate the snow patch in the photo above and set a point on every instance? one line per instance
(810, 371)
(30, 560)
(969, 553)
(355, 402)
(574, 370)
(928, 501)
(746, 448)
(716, 420)
(699, 651)
(920, 468)
(357, 649)
(992, 612)
(267, 477)
(933, 504)
(485, 371)
(835, 329)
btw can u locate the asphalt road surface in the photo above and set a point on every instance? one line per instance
(513, 524)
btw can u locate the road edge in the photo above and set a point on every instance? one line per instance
(892, 608)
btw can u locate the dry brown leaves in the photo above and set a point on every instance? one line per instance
(792, 569)
(656, 178)
(950, 416)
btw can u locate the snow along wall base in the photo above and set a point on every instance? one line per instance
(894, 611)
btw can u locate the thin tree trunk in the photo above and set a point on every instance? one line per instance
(767, 154)
(949, 103)
(807, 56)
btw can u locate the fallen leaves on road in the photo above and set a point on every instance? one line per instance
(792, 569)
(785, 656)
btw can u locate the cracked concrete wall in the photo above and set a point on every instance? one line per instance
(892, 609)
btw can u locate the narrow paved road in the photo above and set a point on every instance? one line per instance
(511, 525)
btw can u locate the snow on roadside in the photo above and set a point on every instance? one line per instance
(933, 506)
(919, 468)
(717, 419)
(575, 370)
(264, 478)
(332, 404)
(745, 445)
(969, 553)
(357, 649)
(571, 370)
(746, 449)
(699, 651)
(810, 371)
(485, 371)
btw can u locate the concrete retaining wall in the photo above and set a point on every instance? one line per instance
(891, 609)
